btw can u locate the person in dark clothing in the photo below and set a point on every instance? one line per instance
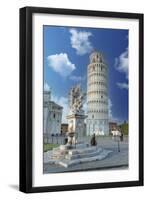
(93, 141)
(65, 140)
(121, 137)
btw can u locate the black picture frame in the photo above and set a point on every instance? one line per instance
(26, 104)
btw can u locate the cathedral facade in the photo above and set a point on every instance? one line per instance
(52, 116)
(97, 95)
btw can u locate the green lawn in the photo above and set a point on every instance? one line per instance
(47, 147)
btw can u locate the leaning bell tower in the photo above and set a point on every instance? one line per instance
(97, 95)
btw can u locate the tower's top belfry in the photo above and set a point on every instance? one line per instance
(96, 57)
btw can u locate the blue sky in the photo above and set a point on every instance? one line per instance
(66, 56)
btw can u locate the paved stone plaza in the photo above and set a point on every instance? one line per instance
(115, 160)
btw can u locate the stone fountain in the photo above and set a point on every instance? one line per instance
(75, 151)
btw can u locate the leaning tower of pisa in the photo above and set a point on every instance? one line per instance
(97, 95)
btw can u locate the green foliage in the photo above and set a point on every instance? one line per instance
(47, 147)
(124, 128)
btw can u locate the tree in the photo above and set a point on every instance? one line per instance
(124, 128)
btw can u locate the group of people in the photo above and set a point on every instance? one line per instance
(116, 132)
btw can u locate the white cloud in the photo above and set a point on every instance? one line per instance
(62, 101)
(76, 78)
(80, 41)
(122, 62)
(61, 64)
(110, 108)
(46, 87)
(122, 85)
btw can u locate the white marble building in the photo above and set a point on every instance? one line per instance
(52, 116)
(97, 95)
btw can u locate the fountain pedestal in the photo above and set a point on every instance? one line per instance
(66, 156)
(76, 123)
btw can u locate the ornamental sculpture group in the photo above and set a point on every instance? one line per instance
(76, 100)
(76, 116)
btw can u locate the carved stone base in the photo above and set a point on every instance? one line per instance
(76, 121)
(67, 157)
